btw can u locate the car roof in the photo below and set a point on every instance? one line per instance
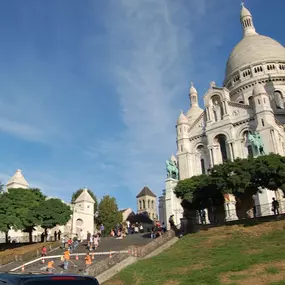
(16, 276)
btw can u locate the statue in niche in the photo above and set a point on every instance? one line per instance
(257, 144)
(217, 111)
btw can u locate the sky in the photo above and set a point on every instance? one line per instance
(90, 90)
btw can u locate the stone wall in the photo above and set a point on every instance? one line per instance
(134, 251)
(142, 251)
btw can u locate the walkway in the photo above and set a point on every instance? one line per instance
(77, 266)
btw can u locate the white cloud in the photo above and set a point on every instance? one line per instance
(22, 130)
(153, 48)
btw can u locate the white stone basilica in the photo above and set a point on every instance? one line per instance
(250, 100)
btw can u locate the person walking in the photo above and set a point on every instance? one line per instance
(275, 206)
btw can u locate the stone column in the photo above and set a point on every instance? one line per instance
(207, 216)
(230, 207)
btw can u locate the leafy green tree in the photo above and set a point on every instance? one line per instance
(52, 212)
(2, 187)
(243, 178)
(76, 194)
(109, 214)
(21, 204)
(8, 217)
(268, 171)
(30, 200)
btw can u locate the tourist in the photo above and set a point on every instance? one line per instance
(88, 260)
(171, 221)
(275, 206)
(44, 251)
(66, 258)
(136, 228)
(59, 234)
(163, 227)
(50, 266)
(96, 241)
(152, 233)
(69, 243)
(55, 236)
(141, 228)
(102, 230)
(75, 242)
(62, 242)
(88, 236)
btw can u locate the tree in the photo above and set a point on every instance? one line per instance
(109, 214)
(268, 171)
(21, 204)
(242, 178)
(76, 194)
(8, 218)
(53, 212)
(2, 187)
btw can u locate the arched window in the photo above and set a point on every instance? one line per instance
(201, 159)
(221, 139)
(152, 204)
(218, 110)
(148, 204)
(140, 203)
(203, 165)
(143, 204)
(79, 223)
(247, 145)
(279, 100)
(250, 101)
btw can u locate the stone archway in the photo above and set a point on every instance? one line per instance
(218, 109)
(247, 147)
(79, 225)
(223, 154)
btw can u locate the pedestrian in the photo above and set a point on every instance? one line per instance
(88, 260)
(50, 266)
(275, 206)
(44, 251)
(59, 234)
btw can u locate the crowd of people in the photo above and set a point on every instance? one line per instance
(69, 245)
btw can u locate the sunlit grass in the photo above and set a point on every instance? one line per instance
(225, 255)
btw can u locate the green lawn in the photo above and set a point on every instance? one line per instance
(225, 255)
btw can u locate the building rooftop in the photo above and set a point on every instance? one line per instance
(146, 192)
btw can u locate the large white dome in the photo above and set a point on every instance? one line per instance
(254, 49)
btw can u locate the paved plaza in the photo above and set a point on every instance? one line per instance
(76, 266)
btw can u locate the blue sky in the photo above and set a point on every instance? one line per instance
(90, 90)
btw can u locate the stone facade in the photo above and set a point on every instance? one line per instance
(146, 203)
(250, 100)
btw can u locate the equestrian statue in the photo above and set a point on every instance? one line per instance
(257, 143)
(171, 168)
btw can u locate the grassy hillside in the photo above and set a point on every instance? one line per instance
(234, 255)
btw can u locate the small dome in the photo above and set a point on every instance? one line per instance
(258, 89)
(244, 12)
(193, 113)
(182, 119)
(193, 90)
(252, 50)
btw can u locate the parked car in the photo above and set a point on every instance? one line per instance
(45, 279)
